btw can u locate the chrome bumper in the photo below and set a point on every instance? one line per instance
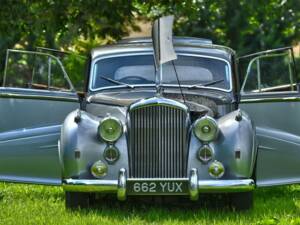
(196, 186)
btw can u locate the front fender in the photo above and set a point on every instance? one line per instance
(235, 147)
(80, 147)
(68, 145)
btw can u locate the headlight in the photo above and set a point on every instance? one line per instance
(206, 129)
(216, 169)
(110, 129)
(111, 154)
(205, 154)
(99, 169)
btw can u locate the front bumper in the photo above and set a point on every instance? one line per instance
(196, 186)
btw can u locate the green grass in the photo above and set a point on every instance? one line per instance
(29, 204)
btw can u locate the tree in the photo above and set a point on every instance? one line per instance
(79, 25)
(59, 24)
(244, 25)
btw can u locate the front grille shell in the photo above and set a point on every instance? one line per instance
(158, 139)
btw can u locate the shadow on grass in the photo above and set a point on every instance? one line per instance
(268, 203)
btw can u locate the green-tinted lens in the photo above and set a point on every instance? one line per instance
(205, 153)
(206, 129)
(216, 169)
(99, 169)
(111, 154)
(110, 129)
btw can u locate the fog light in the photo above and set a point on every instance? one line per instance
(99, 169)
(111, 154)
(205, 154)
(216, 169)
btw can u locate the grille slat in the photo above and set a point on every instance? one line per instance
(157, 139)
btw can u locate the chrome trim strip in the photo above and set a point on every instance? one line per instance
(150, 85)
(18, 89)
(121, 193)
(158, 179)
(196, 186)
(211, 186)
(30, 180)
(112, 186)
(261, 100)
(37, 97)
(193, 185)
(264, 52)
(277, 93)
(157, 101)
(84, 185)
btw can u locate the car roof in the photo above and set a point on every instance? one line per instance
(181, 44)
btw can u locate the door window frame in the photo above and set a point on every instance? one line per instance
(50, 58)
(269, 53)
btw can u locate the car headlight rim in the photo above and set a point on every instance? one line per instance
(205, 154)
(216, 169)
(206, 129)
(99, 169)
(110, 129)
(111, 154)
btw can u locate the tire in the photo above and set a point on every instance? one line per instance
(77, 200)
(241, 200)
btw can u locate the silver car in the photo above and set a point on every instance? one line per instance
(202, 122)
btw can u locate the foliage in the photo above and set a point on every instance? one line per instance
(29, 204)
(246, 26)
(58, 24)
(79, 25)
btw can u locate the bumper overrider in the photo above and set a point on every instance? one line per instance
(191, 186)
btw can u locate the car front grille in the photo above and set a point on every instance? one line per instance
(158, 142)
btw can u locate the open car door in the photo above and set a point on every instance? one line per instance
(270, 95)
(35, 97)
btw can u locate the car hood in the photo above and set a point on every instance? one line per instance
(126, 97)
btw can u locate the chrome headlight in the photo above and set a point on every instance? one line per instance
(110, 129)
(205, 154)
(206, 129)
(111, 154)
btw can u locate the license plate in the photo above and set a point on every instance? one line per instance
(157, 187)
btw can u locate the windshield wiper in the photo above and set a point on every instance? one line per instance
(116, 81)
(205, 84)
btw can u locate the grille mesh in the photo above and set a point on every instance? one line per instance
(157, 139)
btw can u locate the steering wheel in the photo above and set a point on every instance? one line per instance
(134, 78)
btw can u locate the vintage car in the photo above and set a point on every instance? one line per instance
(153, 121)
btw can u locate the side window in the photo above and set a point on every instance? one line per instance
(34, 70)
(40, 72)
(74, 64)
(57, 79)
(18, 70)
(269, 72)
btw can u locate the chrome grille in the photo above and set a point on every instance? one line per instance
(157, 142)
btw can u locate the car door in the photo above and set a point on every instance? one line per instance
(35, 97)
(270, 95)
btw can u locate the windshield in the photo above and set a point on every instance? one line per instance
(134, 70)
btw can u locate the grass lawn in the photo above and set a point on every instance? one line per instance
(30, 204)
